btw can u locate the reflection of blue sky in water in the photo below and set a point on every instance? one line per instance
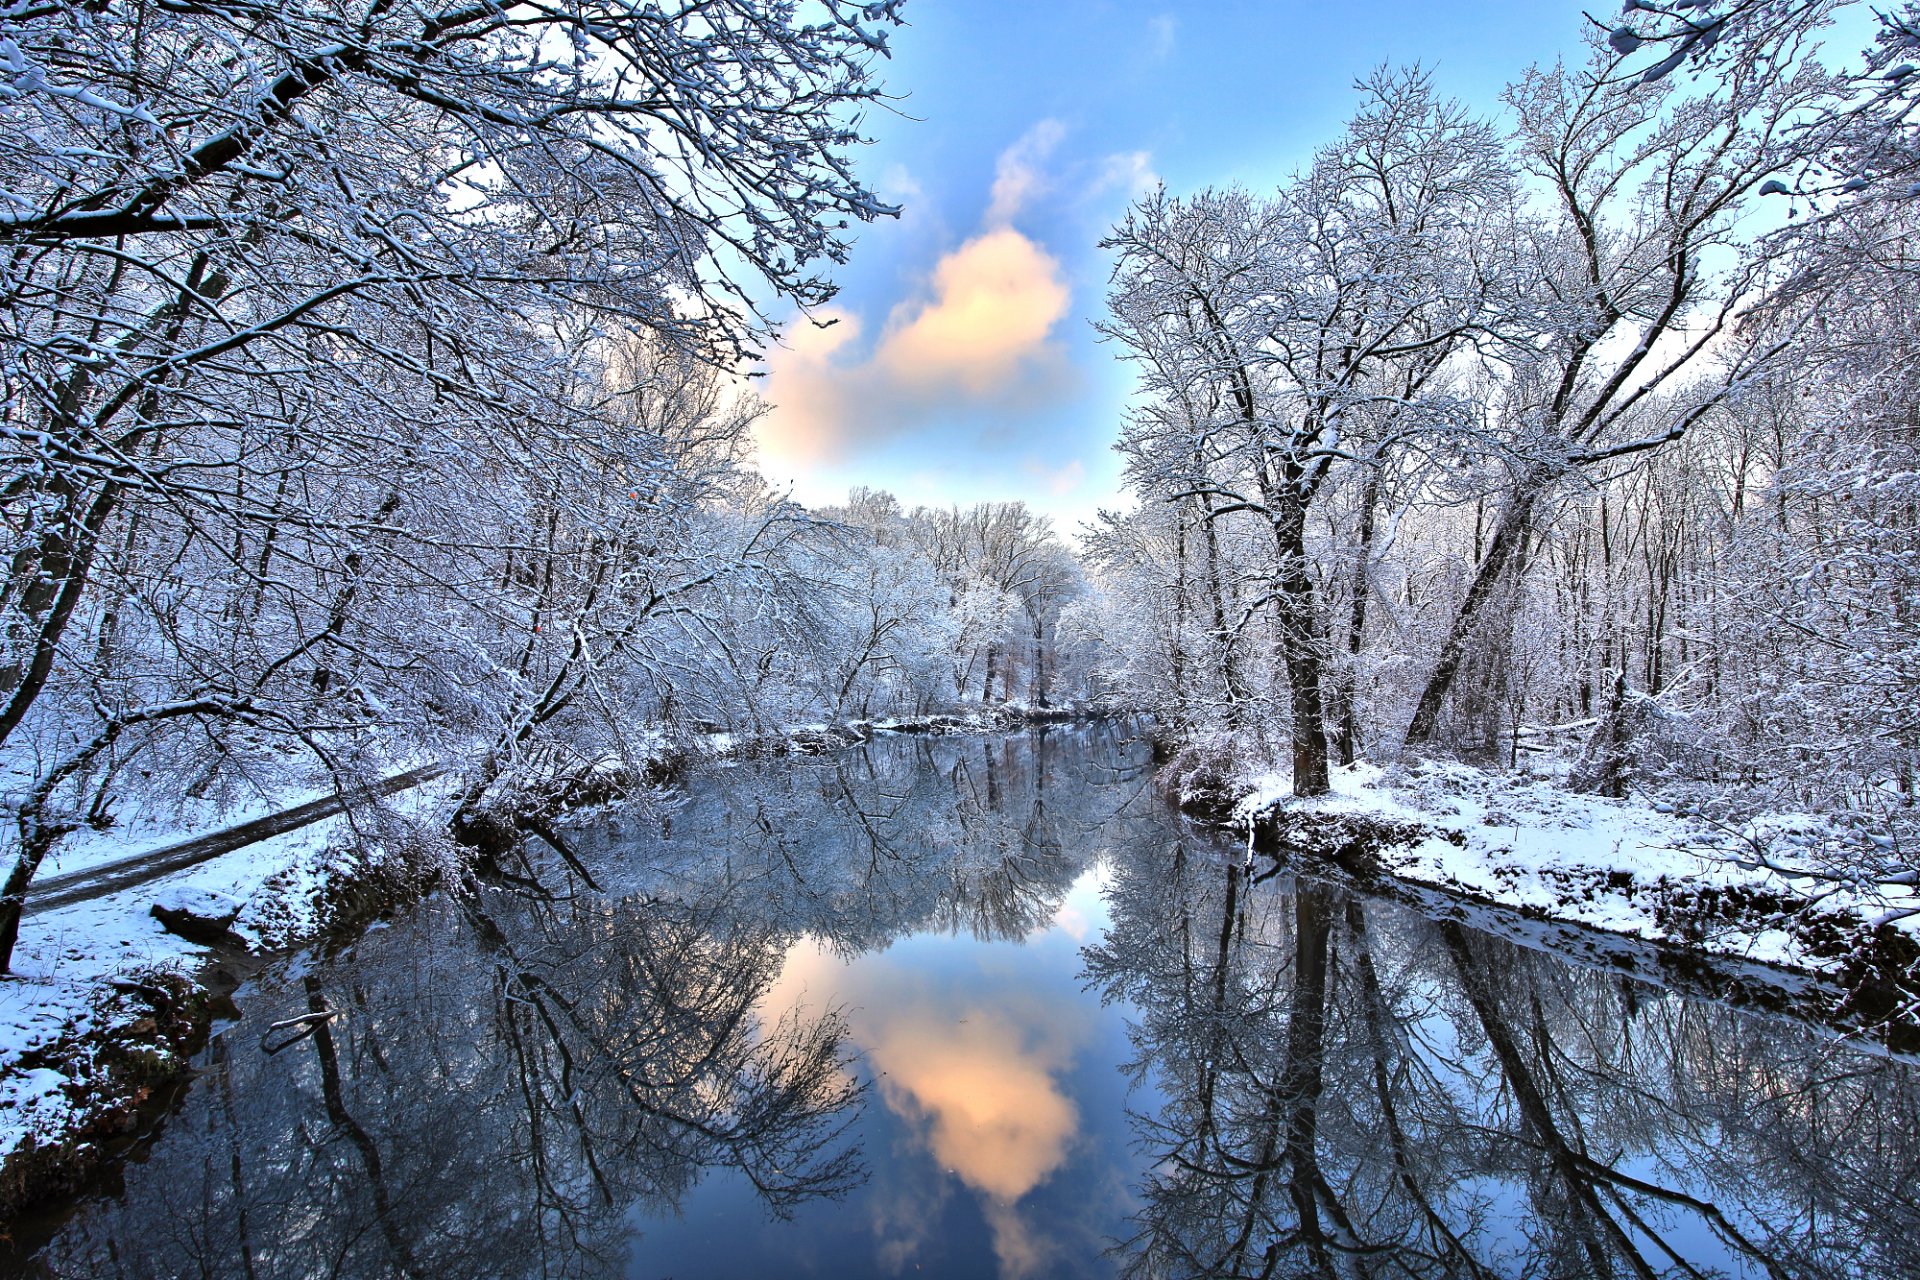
(995, 1129)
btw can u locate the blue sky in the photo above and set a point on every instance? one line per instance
(964, 365)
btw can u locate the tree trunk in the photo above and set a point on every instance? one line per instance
(1226, 644)
(1177, 632)
(1037, 689)
(60, 567)
(1300, 646)
(1516, 526)
(1346, 740)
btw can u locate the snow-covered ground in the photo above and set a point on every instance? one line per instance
(67, 957)
(1619, 865)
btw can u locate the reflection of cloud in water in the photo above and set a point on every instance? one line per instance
(1084, 909)
(1020, 1251)
(969, 1056)
(906, 1215)
(1070, 921)
(982, 1084)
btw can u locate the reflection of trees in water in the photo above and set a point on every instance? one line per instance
(979, 835)
(510, 1076)
(1352, 1089)
(502, 1083)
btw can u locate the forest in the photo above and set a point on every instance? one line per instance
(395, 417)
(379, 385)
(1588, 441)
(371, 398)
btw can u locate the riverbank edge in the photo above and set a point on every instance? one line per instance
(132, 1052)
(1865, 982)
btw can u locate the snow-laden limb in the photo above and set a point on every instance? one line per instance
(1862, 144)
(728, 120)
(1623, 462)
(1284, 341)
(365, 371)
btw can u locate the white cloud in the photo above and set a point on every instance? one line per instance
(1162, 31)
(980, 328)
(898, 183)
(1018, 176)
(983, 330)
(807, 423)
(1130, 172)
(1059, 480)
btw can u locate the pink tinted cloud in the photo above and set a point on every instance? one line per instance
(982, 331)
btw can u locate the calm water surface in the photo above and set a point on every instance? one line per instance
(978, 1007)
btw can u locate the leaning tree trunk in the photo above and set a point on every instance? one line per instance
(57, 574)
(49, 576)
(1509, 539)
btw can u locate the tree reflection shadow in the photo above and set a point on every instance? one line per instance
(518, 1081)
(496, 1106)
(1352, 1089)
(981, 836)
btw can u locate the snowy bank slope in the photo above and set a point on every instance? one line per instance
(1754, 891)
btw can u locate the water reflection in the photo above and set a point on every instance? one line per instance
(540, 1079)
(973, 1060)
(1353, 1089)
(984, 1007)
(494, 1095)
(979, 836)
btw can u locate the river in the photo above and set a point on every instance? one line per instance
(986, 1006)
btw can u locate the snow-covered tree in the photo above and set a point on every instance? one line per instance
(357, 364)
(1279, 339)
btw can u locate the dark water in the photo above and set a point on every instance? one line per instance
(976, 1007)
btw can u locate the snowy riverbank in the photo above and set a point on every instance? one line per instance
(106, 1003)
(1758, 890)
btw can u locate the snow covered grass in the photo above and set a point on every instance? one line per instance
(1758, 889)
